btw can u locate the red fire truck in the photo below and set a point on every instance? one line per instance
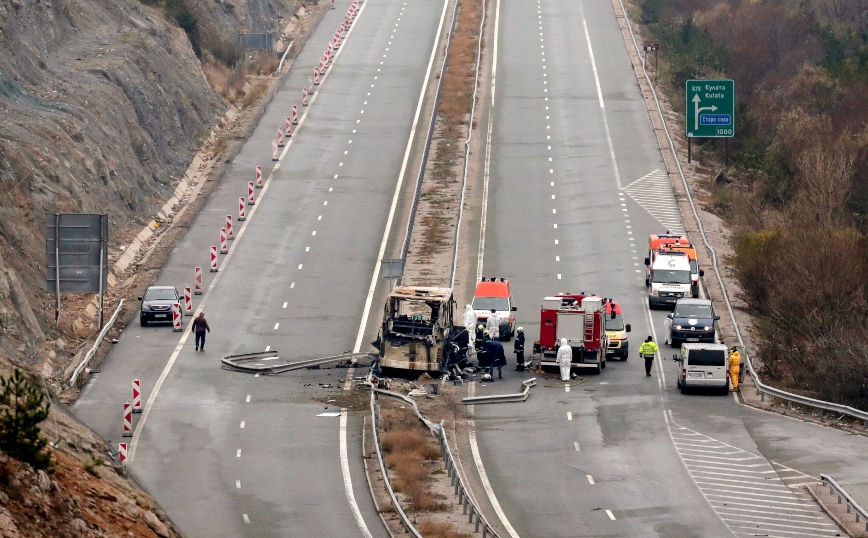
(579, 318)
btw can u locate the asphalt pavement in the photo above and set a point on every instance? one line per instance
(230, 454)
(577, 185)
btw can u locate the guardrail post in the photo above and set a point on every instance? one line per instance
(484, 531)
(476, 529)
(472, 509)
(839, 499)
(465, 504)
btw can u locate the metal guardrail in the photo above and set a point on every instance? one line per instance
(375, 413)
(470, 508)
(255, 363)
(852, 506)
(762, 388)
(502, 398)
(283, 58)
(100, 336)
(427, 149)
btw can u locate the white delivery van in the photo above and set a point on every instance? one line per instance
(669, 280)
(703, 366)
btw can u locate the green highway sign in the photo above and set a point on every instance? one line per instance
(710, 108)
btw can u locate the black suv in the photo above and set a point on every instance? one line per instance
(692, 321)
(157, 304)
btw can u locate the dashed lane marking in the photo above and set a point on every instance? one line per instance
(751, 495)
(653, 192)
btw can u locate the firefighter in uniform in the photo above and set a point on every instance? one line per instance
(647, 350)
(518, 347)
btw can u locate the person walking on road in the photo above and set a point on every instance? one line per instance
(493, 325)
(200, 325)
(647, 350)
(496, 355)
(565, 359)
(734, 368)
(518, 348)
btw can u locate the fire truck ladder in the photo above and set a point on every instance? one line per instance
(589, 327)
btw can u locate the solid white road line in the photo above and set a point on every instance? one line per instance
(610, 514)
(576, 445)
(590, 479)
(246, 519)
(376, 274)
(247, 400)
(600, 96)
(486, 485)
(569, 415)
(242, 425)
(238, 453)
(238, 484)
(348, 482)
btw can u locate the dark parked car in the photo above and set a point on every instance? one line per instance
(692, 321)
(157, 304)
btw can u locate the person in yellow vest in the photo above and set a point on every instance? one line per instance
(647, 351)
(734, 366)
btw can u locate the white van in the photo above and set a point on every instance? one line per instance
(703, 366)
(669, 280)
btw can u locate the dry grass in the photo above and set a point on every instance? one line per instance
(433, 529)
(409, 455)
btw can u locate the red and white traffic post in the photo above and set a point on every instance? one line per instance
(176, 317)
(230, 235)
(224, 245)
(274, 156)
(304, 101)
(188, 300)
(213, 258)
(288, 127)
(128, 420)
(250, 190)
(241, 215)
(198, 283)
(279, 137)
(137, 395)
(122, 453)
(316, 75)
(295, 114)
(333, 4)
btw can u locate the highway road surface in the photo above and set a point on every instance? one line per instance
(230, 454)
(577, 185)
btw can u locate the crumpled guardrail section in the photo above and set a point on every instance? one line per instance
(90, 353)
(762, 388)
(437, 430)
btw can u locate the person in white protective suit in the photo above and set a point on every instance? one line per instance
(469, 321)
(493, 325)
(565, 359)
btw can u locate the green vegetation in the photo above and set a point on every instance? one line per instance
(22, 408)
(800, 159)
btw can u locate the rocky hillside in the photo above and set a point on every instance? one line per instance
(102, 105)
(85, 492)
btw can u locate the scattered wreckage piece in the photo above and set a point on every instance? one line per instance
(502, 398)
(270, 362)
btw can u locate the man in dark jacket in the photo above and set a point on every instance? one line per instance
(496, 356)
(518, 348)
(200, 325)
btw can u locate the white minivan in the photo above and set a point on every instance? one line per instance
(669, 279)
(703, 366)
